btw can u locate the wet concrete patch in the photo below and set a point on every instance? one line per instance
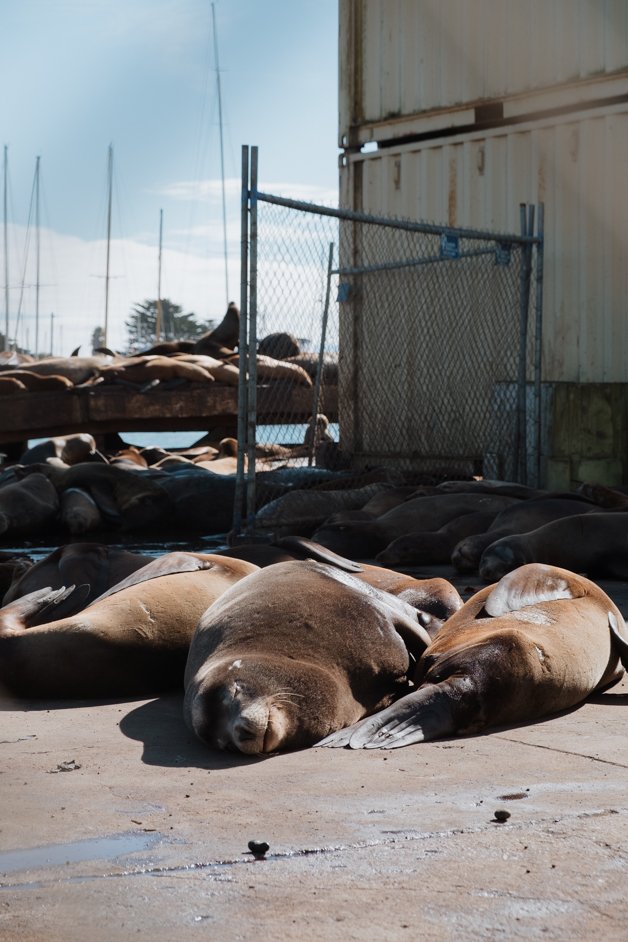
(94, 848)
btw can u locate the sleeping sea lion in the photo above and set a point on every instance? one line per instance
(133, 640)
(293, 652)
(538, 642)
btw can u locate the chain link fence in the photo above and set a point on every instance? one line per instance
(415, 348)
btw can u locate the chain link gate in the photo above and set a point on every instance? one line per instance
(422, 357)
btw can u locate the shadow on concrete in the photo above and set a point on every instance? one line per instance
(159, 725)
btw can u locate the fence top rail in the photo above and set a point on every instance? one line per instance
(407, 224)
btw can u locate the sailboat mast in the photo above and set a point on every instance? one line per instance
(6, 251)
(37, 254)
(158, 323)
(222, 155)
(110, 190)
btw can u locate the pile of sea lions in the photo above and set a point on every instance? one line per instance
(296, 646)
(168, 364)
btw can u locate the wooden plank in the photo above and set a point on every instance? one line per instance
(119, 409)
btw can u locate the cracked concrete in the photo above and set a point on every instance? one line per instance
(144, 833)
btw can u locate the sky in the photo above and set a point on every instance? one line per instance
(141, 76)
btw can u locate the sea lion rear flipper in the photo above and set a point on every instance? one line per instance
(425, 714)
(308, 549)
(620, 643)
(529, 585)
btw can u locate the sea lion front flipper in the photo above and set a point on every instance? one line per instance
(41, 606)
(308, 549)
(165, 565)
(620, 643)
(425, 714)
(529, 585)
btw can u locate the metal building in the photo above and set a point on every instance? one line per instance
(458, 111)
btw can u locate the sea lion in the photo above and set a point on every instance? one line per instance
(293, 652)
(434, 547)
(225, 337)
(71, 449)
(520, 518)
(93, 564)
(28, 505)
(142, 370)
(279, 345)
(79, 511)
(538, 642)
(595, 543)
(307, 509)
(362, 540)
(131, 641)
(435, 599)
(76, 369)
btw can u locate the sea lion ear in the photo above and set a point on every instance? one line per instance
(530, 585)
(620, 644)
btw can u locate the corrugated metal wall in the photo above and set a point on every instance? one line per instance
(579, 168)
(479, 106)
(401, 59)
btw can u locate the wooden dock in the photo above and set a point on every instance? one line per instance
(211, 408)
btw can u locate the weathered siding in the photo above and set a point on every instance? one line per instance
(420, 66)
(578, 166)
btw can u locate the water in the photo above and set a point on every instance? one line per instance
(98, 848)
(266, 434)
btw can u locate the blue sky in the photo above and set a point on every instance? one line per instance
(140, 74)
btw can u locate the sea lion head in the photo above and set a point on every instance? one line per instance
(502, 557)
(264, 703)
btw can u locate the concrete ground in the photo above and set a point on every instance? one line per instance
(117, 825)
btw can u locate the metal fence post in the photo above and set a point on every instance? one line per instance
(252, 352)
(321, 356)
(242, 345)
(538, 338)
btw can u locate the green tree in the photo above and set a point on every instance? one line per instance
(98, 338)
(175, 325)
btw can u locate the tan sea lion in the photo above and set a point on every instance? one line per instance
(71, 449)
(538, 642)
(595, 543)
(295, 651)
(133, 640)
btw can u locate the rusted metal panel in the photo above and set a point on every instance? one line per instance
(422, 66)
(575, 164)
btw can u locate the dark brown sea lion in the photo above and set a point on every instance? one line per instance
(223, 338)
(297, 650)
(71, 449)
(595, 543)
(362, 540)
(520, 518)
(28, 505)
(279, 345)
(538, 642)
(131, 641)
(94, 564)
(431, 548)
(79, 511)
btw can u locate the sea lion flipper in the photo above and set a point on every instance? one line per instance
(161, 566)
(425, 714)
(308, 549)
(620, 643)
(529, 585)
(41, 606)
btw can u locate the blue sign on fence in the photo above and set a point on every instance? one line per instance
(449, 246)
(503, 253)
(344, 289)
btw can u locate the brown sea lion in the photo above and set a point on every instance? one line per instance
(520, 518)
(431, 548)
(435, 599)
(28, 505)
(297, 650)
(79, 511)
(93, 564)
(71, 449)
(362, 540)
(76, 369)
(538, 642)
(131, 641)
(36, 383)
(223, 338)
(595, 543)
(142, 370)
